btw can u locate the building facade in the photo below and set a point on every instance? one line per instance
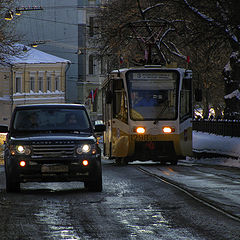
(34, 77)
(65, 28)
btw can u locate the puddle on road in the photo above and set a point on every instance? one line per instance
(150, 223)
(145, 221)
(55, 222)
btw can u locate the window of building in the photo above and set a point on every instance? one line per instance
(18, 84)
(40, 81)
(49, 84)
(91, 64)
(103, 69)
(57, 82)
(32, 81)
(91, 26)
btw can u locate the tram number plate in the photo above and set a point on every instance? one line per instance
(144, 137)
(54, 168)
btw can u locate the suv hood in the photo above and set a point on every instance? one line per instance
(54, 137)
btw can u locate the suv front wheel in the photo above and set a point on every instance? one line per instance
(95, 185)
(12, 184)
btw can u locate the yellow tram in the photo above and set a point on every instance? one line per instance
(147, 112)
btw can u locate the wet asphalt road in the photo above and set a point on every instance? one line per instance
(133, 205)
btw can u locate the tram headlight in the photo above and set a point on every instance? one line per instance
(168, 129)
(140, 130)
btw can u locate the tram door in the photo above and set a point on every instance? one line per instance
(114, 111)
(186, 117)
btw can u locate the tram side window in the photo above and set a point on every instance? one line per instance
(119, 101)
(186, 100)
(106, 104)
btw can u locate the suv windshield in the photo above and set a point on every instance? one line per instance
(51, 119)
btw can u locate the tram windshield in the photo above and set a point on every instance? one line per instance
(152, 94)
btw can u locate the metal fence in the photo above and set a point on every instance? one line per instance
(219, 127)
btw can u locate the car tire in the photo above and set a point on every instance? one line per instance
(121, 161)
(95, 185)
(12, 184)
(174, 161)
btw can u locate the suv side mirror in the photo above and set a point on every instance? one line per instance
(100, 128)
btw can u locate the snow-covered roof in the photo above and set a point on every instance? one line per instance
(33, 56)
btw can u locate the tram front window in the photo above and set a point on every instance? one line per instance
(153, 97)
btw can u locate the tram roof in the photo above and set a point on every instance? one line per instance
(123, 70)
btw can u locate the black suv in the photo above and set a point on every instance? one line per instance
(52, 142)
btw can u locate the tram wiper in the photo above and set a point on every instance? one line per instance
(165, 106)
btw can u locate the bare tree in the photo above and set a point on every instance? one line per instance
(223, 17)
(140, 28)
(8, 38)
(163, 31)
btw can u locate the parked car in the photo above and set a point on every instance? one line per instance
(52, 142)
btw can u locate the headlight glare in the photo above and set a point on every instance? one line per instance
(21, 149)
(85, 148)
(168, 129)
(140, 130)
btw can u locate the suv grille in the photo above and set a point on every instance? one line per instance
(53, 149)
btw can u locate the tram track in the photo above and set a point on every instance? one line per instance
(191, 194)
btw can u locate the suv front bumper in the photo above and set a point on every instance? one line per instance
(56, 169)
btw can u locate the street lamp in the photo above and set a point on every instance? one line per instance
(18, 11)
(9, 15)
(36, 43)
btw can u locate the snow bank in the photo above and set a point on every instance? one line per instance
(211, 143)
(206, 142)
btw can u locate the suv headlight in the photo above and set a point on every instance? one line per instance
(20, 149)
(86, 148)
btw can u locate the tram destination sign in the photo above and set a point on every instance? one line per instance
(152, 75)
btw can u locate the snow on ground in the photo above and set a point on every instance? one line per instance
(216, 144)
(211, 143)
(220, 161)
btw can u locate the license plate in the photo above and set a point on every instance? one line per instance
(145, 137)
(54, 168)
